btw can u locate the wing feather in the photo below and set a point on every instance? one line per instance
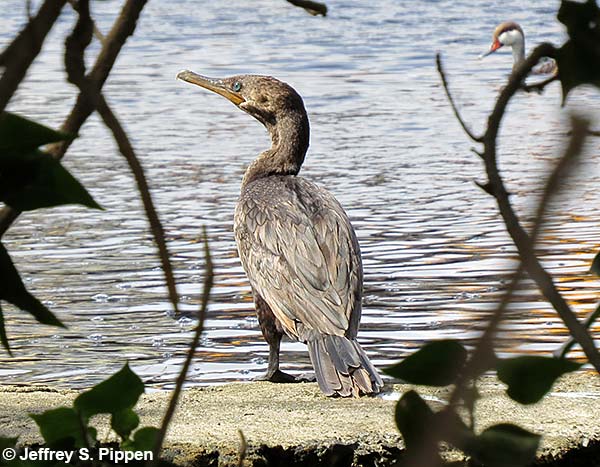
(300, 254)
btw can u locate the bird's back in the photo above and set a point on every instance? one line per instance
(301, 255)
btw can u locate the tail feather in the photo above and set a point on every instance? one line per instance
(367, 365)
(342, 367)
(342, 353)
(325, 373)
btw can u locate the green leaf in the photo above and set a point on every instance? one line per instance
(63, 428)
(118, 393)
(37, 180)
(529, 378)
(504, 445)
(435, 364)
(12, 290)
(7, 443)
(124, 422)
(578, 58)
(413, 418)
(23, 135)
(143, 440)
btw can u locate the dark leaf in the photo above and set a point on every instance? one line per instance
(3, 336)
(116, 394)
(63, 427)
(413, 419)
(434, 364)
(143, 440)
(18, 134)
(595, 268)
(12, 290)
(124, 422)
(37, 180)
(457, 432)
(504, 445)
(578, 59)
(7, 443)
(529, 378)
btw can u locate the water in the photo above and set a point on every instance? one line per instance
(384, 141)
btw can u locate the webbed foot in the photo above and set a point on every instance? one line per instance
(279, 376)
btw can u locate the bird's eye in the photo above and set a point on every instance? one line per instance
(236, 86)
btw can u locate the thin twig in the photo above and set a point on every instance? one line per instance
(75, 46)
(561, 172)
(121, 30)
(540, 86)
(314, 8)
(243, 449)
(97, 32)
(440, 68)
(136, 168)
(23, 50)
(514, 83)
(520, 238)
(208, 283)
(482, 356)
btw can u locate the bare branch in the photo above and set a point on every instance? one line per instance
(314, 8)
(477, 153)
(208, 283)
(126, 149)
(21, 53)
(77, 42)
(121, 30)
(561, 171)
(97, 32)
(243, 449)
(470, 134)
(539, 87)
(514, 83)
(520, 238)
(482, 357)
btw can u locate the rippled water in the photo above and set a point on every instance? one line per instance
(384, 141)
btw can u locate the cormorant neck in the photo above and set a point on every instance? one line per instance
(289, 142)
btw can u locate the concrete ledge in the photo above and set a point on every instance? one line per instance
(297, 425)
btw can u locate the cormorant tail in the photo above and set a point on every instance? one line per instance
(342, 367)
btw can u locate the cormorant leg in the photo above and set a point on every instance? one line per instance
(272, 332)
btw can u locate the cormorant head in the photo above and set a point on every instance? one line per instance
(507, 33)
(264, 97)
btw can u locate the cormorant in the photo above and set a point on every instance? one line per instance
(296, 244)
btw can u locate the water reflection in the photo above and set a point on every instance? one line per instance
(384, 141)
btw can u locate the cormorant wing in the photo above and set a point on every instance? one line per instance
(301, 255)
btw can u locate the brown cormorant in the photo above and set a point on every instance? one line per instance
(296, 244)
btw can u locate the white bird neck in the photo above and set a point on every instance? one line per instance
(518, 51)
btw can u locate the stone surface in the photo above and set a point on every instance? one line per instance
(295, 424)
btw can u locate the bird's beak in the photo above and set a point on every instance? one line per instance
(212, 84)
(495, 46)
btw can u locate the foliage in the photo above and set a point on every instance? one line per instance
(578, 58)
(116, 396)
(528, 378)
(69, 429)
(31, 179)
